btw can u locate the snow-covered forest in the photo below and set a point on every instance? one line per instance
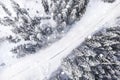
(59, 40)
(39, 31)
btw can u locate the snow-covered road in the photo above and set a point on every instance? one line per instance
(42, 64)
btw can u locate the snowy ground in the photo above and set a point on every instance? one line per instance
(39, 66)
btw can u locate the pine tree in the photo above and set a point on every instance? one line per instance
(109, 1)
(45, 5)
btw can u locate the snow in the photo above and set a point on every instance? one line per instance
(34, 6)
(5, 54)
(41, 65)
(5, 31)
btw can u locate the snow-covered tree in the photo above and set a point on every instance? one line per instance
(109, 1)
(72, 17)
(67, 9)
(45, 5)
(61, 26)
